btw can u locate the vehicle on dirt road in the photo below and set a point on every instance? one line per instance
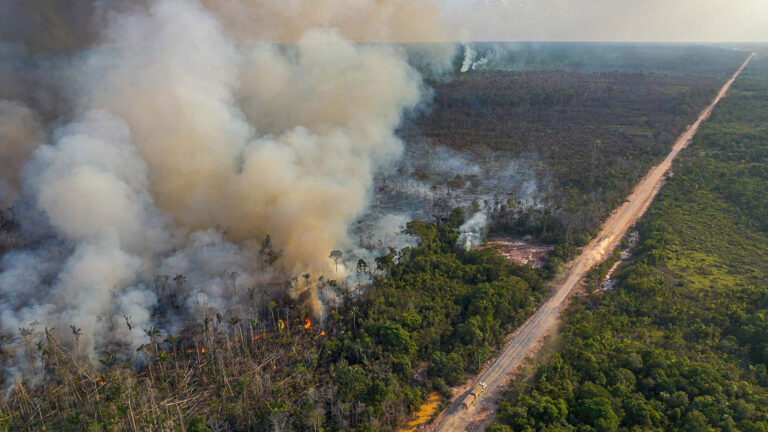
(472, 396)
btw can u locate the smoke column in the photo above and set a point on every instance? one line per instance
(191, 136)
(472, 232)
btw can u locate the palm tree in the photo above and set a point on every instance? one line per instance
(266, 250)
(172, 341)
(180, 279)
(234, 320)
(354, 311)
(77, 332)
(109, 360)
(154, 334)
(26, 334)
(272, 306)
(336, 255)
(362, 267)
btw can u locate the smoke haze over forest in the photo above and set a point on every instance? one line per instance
(331, 214)
(166, 158)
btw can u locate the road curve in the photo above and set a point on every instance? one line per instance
(457, 418)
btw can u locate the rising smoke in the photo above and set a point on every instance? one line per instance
(185, 138)
(472, 232)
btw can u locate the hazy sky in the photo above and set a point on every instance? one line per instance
(610, 20)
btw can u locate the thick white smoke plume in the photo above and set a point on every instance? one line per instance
(469, 59)
(92, 185)
(293, 159)
(194, 138)
(471, 62)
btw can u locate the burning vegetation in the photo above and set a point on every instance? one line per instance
(127, 212)
(162, 272)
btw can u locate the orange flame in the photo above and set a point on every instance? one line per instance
(202, 350)
(307, 323)
(322, 333)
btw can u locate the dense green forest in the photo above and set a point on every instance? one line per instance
(591, 129)
(433, 314)
(682, 342)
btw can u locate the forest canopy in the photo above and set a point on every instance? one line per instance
(680, 344)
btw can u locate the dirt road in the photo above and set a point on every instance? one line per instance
(457, 418)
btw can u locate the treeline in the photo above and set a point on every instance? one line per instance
(682, 343)
(585, 56)
(432, 314)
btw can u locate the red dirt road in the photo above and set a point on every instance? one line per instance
(526, 338)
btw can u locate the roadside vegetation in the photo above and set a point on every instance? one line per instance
(681, 344)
